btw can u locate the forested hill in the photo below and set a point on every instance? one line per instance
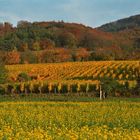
(122, 24)
(43, 35)
(41, 42)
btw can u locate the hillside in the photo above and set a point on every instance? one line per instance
(122, 24)
(127, 32)
(43, 42)
(51, 34)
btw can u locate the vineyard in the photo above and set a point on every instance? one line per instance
(70, 77)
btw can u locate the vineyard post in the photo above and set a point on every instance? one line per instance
(103, 95)
(87, 88)
(101, 92)
(40, 86)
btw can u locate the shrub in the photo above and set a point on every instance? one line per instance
(110, 86)
(23, 77)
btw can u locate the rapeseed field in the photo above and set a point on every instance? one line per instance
(70, 120)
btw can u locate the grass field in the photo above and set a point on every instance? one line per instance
(93, 119)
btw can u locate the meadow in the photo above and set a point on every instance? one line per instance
(99, 120)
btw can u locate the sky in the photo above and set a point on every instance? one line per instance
(88, 12)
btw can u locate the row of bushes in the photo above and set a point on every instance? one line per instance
(42, 87)
(113, 89)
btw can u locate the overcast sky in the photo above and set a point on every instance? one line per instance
(89, 12)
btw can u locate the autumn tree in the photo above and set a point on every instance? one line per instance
(87, 41)
(36, 46)
(51, 55)
(28, 57)
(82, 54)
(12, 57)
(47, 44)
(24, 47)
(67, 40)
(23, 24)
(8, 26)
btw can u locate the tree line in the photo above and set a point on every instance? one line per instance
(57, 37)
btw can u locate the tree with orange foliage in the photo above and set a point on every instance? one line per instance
(24, 47)
(47, 43)
(12, 57)
(80, 54)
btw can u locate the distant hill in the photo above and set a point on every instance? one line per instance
(122, 24)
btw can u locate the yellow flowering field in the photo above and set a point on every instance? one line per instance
(70, 120)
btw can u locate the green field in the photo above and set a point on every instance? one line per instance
(82, 118)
